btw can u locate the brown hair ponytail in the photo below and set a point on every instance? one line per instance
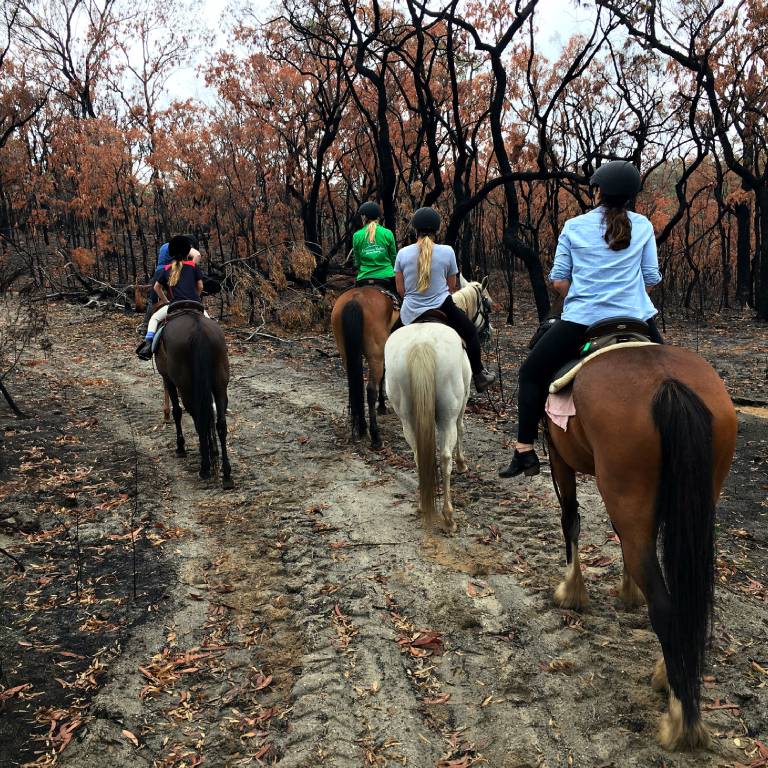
(618, 228)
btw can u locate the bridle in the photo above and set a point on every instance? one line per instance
(482, 313)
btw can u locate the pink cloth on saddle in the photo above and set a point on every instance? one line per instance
(560, 407)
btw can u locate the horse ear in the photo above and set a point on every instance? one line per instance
(484, 283)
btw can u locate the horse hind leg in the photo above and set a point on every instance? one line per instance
(678, 730)
(221, 428)
(570, 593)
(629, 593)
(448, 441)
(375, 375)
(166, 404)
(461, 462)
(176, 408)
(382, 407)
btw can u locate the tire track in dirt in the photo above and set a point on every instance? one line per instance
(327, 570)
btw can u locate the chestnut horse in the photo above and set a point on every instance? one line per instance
(192, 359)
(361, 320)
(656, 427)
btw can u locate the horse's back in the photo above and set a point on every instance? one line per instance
(182, 338)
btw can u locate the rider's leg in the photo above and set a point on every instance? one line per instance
(151, 301)
(145, 349)
(466, 329)
(155, 321)
(555, 348)
(654, 333)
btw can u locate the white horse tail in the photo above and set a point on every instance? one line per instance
(421, 365)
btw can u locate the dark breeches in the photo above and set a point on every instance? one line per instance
(466, 329)
(561, 343)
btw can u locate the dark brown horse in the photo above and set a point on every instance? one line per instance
(656, 427)
(361, 320)
(192, 359)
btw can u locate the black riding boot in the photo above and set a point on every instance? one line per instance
(526, 463)
(144, 350)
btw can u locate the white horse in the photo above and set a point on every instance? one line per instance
(427, 380)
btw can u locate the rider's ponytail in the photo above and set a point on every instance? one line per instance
(370, 230)
(618, 228)
(425, 262)
(176, 268)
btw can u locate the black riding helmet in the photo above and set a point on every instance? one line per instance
(179, 247)
(370, 210)
(617, 179)
(192, 239)
(426, 220)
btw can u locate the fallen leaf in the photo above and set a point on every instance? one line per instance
(131, 737)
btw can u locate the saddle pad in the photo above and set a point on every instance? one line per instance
(560, 407)
(565, 379)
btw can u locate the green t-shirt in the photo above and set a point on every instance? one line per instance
(375, 259)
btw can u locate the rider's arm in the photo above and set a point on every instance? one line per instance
(160, 292)
(392, 249)
(649, 263)
(199, 286)
(452, 281)
(400, 283)
(560, 276)
(452, 278)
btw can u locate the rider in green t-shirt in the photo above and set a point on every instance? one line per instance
(374, 249)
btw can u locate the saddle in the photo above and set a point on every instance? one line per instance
(175, 310)
(604, 336)
(432, 316)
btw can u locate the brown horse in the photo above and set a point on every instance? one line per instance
(192, 359)
(657, 429)
(361, 320)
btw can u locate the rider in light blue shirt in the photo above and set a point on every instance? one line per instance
(604, 282)
(605, 265)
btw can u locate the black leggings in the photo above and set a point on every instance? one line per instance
(460, 323)
(561, 343)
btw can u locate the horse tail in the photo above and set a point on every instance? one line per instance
(685, 514)
(352, 332)
(202, 393)
(421, 367)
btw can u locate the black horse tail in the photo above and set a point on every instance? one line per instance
(202, 396)
(352, 331)
(685, 514)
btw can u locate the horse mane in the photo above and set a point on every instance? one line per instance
(466, 297)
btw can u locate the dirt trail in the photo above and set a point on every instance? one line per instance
(292, 627)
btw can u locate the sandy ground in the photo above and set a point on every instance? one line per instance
(304, 618)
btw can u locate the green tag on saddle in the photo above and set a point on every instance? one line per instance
(585, 349)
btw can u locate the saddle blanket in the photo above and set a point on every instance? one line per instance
(560, 407)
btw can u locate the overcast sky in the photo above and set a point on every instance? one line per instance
(556, 20)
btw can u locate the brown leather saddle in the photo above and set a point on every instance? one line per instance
(432, 316)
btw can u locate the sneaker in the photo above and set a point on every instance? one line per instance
(483, 380)
(526, 463)
(144, 350)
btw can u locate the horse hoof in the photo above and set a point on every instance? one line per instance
(376, 445)
(227, 484)
(382, 410)
(204, 475)
(181, 452)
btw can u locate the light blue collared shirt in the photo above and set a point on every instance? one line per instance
(606, 283)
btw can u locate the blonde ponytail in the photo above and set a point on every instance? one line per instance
(175, 272)
(370, 230)
(425, 263)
